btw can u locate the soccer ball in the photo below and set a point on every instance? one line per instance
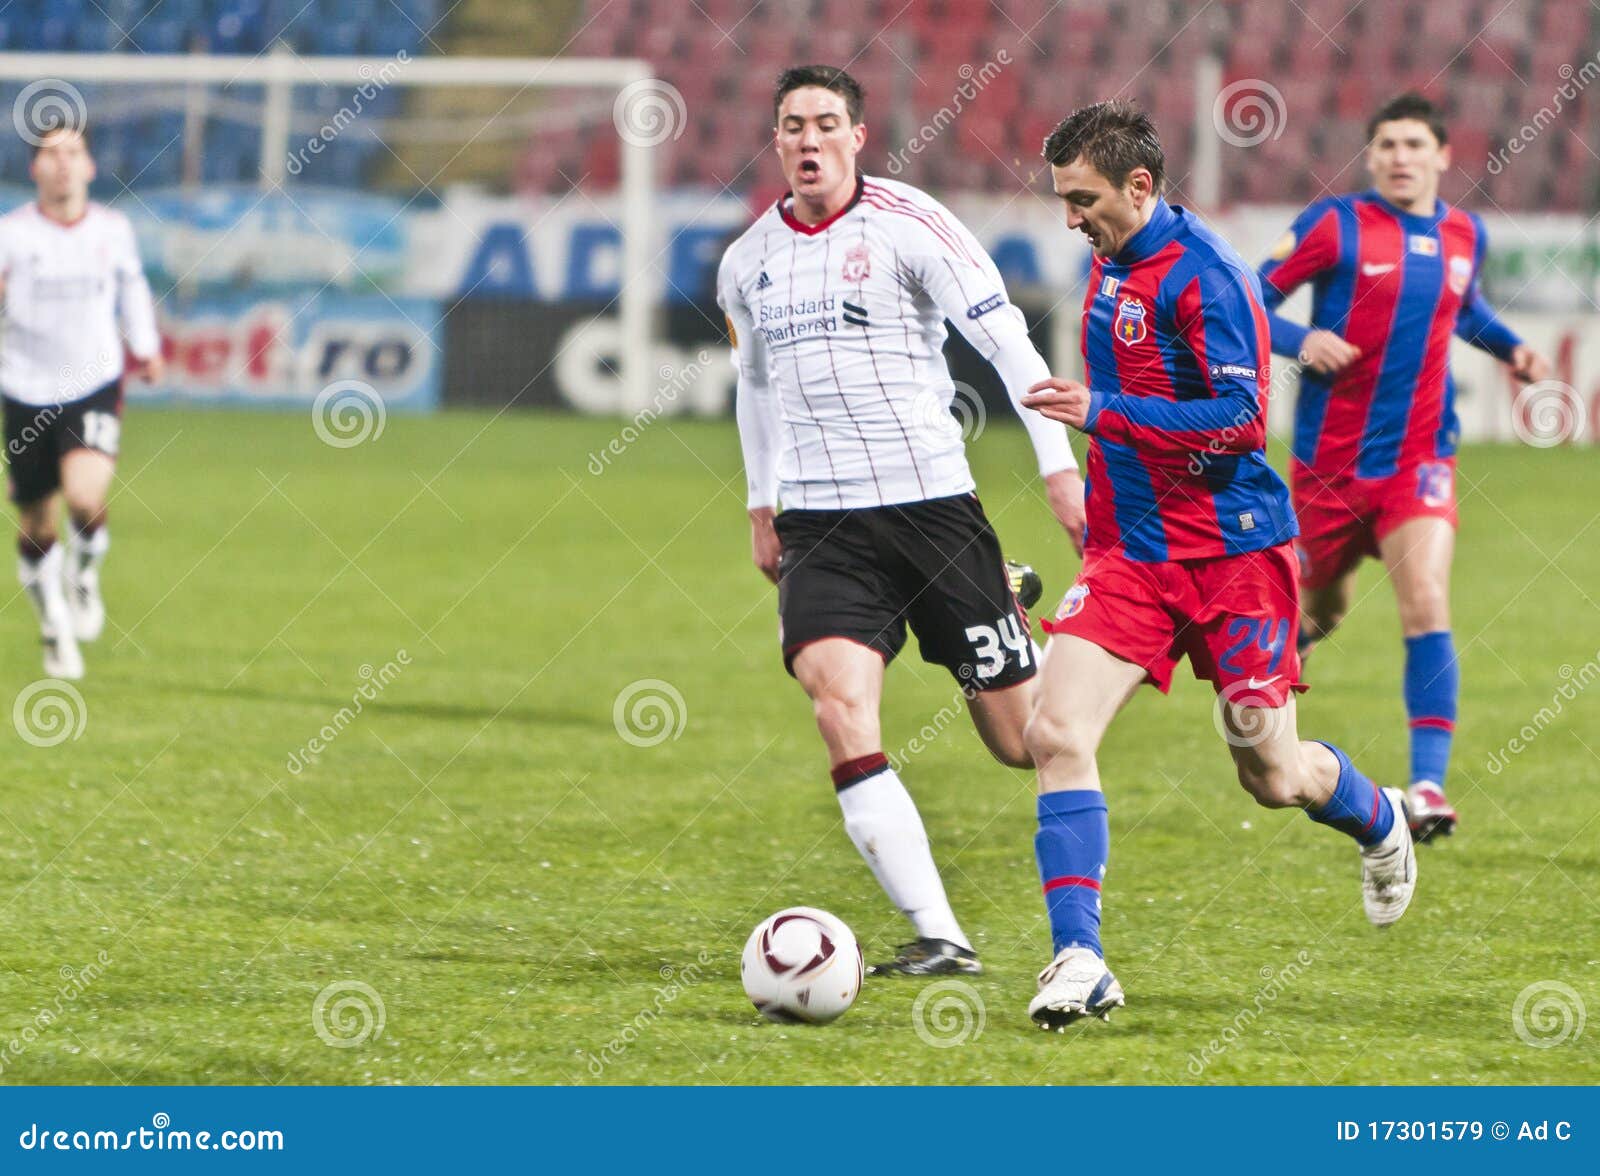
(801, 964)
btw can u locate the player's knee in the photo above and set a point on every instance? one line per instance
(1050, 739)
(1425, 606)
(1272, 787)
(1010, 749)
(843, 713)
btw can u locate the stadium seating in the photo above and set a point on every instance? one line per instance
(1492, 65)
(134, 140)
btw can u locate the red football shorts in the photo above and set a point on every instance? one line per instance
(1342, 518)
(1235, 618)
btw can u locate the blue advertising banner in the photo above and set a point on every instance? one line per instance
(286, 351)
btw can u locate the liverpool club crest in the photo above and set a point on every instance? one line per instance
(857, 264)
(1129, 325)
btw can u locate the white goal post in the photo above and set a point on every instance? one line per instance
(282, 69)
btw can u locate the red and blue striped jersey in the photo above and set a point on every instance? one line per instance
(1176, 348)
(1397, 286)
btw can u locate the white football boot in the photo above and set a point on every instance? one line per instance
(1389, 869)
(1077, 984)
(42, 582)
(62, 657)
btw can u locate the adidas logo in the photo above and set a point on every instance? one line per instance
(763, 282)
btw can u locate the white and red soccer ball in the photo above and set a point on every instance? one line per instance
(801, 964)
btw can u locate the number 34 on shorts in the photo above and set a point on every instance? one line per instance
(991, 643)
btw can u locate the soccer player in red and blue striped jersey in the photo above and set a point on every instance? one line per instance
(1394, 275)
(1188, 547)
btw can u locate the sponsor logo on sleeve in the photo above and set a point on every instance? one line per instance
(1224, 370)
(979, 309)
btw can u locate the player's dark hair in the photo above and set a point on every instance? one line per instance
(829, 78)
(1115, 137)
(58, 126)
(1410, 105)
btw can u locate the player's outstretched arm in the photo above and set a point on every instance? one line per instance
(1308, 249)
(961, 278)
(136, 309)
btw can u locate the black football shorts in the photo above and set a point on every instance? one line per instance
(39, 436)
(867, 573)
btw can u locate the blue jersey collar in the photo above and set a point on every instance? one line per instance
(1152, 237)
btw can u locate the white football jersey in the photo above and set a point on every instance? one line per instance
(844, 396)
(72, 294)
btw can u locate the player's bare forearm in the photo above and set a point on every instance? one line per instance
(764, 545)
(1064, 488)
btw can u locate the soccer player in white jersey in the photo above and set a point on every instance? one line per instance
(836, 300)
(72, 292)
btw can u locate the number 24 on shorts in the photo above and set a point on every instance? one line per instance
(989, 643)
(1267, 634)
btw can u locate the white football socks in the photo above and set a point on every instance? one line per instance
(88, 552)
(41, 580)
(883, 821)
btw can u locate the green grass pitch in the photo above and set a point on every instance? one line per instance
(501, 888)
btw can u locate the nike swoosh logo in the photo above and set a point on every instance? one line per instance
(1262, 683)
(1373, 271)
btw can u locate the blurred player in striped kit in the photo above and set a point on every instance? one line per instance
(1395, 274)
(73, 292)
